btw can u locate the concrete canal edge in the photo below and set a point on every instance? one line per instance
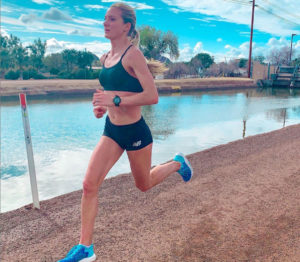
(12, 88)
(204, 84)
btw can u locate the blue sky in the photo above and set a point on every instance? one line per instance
(220, 27)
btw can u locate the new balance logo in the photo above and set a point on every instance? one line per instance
(138, 143)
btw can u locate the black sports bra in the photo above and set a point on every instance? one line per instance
(116, 78)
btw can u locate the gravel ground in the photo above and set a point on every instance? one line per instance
(243, 204)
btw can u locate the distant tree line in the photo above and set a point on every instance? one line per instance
(19, 62)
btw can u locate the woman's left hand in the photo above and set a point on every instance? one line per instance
(102, 99)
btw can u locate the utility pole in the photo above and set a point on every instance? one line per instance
(251, 36)
(291, 51)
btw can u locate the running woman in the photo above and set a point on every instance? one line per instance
(128, 84)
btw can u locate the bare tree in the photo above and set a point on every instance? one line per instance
(280, 56)
(177, 70)
(223, 69)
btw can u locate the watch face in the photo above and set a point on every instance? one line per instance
(117, 100)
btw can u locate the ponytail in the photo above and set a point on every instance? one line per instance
(134, 37)
(156, 67)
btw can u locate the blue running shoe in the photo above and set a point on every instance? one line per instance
(186, 170)
(80, 253)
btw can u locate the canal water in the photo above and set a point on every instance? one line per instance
(64, 132)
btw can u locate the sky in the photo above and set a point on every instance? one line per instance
(219, 27)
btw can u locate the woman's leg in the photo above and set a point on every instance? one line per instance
(140, 163)
(105, 155)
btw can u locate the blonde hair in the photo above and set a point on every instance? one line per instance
(128, 16)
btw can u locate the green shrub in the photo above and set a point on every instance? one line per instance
(95, 73)
(80, 74)
(54, 71)
(32, 73)
(64, 75)
(12, 75)
(29, 73)
(39, 76)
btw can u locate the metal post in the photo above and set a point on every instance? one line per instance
(291, 51)
(251, 36)
(28, 143)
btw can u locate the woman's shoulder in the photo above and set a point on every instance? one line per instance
(134, 54)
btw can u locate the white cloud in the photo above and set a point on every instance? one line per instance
(56, 28)
(28, 19)
(219, 39)
(11, 21)
(241, 14)
(79, 32)
(6, 9)
(136, 5)
(3, 32)
(200, 19)
(56, 15)
(94, 7)
(175, 10)
(140, 6)
(96, 47)
(52, 14)
(198, 48)
(187, 52)
(87, 21)
(54, 46)
(48, 2)
(240, 51)
(277, 43)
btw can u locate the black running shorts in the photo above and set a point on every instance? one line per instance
(130, 137)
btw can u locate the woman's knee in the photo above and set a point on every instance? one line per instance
(92, 181)
(90, 188)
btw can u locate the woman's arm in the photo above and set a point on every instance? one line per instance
(136, 61)
(149, 96)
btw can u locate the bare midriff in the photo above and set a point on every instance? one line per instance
(123, 115)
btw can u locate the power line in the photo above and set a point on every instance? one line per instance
(238, 2)
(283, 9)
(278, 16)
(270, 12)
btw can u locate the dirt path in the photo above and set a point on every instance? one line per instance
(10, 88)
(243, 204)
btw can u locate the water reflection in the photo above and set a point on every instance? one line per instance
(284, 117)
(64, 133)
(164, 125)
(244, 128)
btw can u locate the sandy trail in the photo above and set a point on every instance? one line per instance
(48, 87)
(243, 204)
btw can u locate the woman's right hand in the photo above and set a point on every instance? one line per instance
(99, 111)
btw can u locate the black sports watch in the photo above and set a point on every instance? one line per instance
(117, 100)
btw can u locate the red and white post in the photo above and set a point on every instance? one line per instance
(28, 143)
